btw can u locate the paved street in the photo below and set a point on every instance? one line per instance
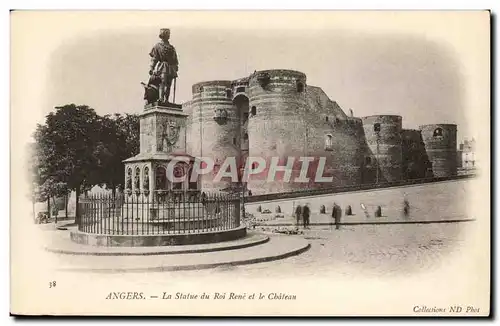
(367, 250)
(429, 202)
(376, 250)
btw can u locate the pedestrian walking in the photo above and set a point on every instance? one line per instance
(298, 214)
(406, 207)
(334, 213)
(338, 216)
(363, 207)
(306, 212)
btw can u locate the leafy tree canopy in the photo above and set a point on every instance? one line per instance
(76, 149)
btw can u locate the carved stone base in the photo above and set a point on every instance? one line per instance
(162, 104)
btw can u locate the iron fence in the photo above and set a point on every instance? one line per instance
(162, 212)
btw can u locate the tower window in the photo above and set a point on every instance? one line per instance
(438, 132)
(220, 115)
(326, 119)
(254, 110)
(376, 127)
(300, 87)
(368, 160)
(234, 140)
(229, 93)
(245, 137)
(329, 142)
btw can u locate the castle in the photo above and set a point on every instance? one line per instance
(276, 116)
(275, 113)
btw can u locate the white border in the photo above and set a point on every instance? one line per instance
(184, 4)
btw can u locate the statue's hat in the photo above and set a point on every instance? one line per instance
(164, 32)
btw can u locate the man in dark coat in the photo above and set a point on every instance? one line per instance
(334, 213)
(298, 214)
(406, 207)
(338, 216)
(306, 212)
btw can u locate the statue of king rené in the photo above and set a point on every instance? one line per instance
(164, 66)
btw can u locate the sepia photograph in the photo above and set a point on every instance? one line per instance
(250, 163)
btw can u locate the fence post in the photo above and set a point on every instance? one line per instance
(237, 210)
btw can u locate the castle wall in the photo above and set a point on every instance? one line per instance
(416, 164)
(275, 114)
(440, 142)
(239, 91)
(187, 107)
(296, 120)
(275, 125)
(214, 128)
(385, 146)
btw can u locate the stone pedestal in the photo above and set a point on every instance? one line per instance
(162, 140)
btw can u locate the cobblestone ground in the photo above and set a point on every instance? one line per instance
(370, 250)
(377, 251)
(366, 251)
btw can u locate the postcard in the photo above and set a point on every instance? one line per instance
(250, 163)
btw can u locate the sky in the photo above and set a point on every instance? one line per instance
(410, 74)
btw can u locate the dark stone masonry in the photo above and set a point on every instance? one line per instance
(275, 113)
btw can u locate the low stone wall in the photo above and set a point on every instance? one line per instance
(341, 189)
(108, 240)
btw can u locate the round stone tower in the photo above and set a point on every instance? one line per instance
(275, 128)
(440, 142)
(214, 128)
(383, 136)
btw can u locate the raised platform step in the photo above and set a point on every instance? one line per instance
(278, 247)
(141, 239)
(62, 244)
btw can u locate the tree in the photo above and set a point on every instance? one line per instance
(77, 149)
(119, 140)
(33, 164)
(66, 145)
(43, 186)
(48, 190)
